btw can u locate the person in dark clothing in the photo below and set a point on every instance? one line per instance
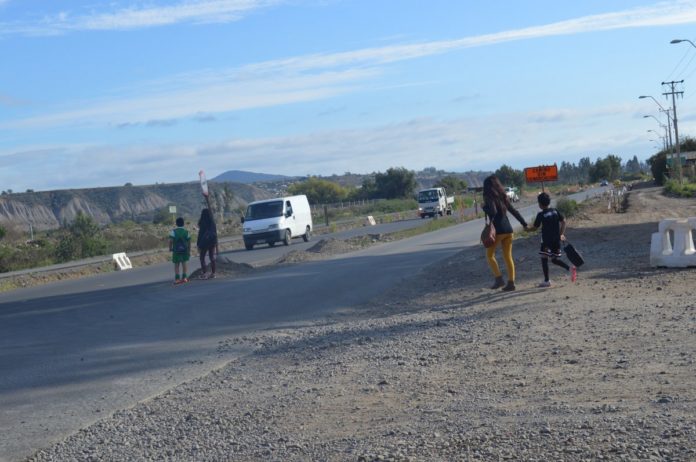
(207, 242)
(496, 204)
(552, 223)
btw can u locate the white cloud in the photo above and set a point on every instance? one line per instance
(138, 17)
(662, 14)
(302, 78)
(210, 98)
(456, 144)
(205, 11)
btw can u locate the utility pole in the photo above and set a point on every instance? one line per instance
(674, 94)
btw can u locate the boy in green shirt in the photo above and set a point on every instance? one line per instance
(180, 246)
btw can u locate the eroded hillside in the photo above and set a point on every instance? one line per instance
(48, 209)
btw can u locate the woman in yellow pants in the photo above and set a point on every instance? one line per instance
(496, 205)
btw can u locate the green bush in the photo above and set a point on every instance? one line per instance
(24, 256)
(81, 239)
(674, 188)
(568, 207)
(162, 216)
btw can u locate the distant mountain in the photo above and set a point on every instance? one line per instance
(49, 209)
(240, 176)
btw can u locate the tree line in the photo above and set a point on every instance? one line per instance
(400, 183)
(395, 183)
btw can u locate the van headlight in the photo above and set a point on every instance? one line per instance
(274, 226)
(246, 230)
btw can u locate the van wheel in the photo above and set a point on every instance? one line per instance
(271, 243)
(307, 235)
(248, 246)
(286, 238)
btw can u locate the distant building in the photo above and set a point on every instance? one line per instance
(687, 158)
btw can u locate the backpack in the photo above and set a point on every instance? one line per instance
(180, 245)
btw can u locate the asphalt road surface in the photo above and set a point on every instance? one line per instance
(72, 352)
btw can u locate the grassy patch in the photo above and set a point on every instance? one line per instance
(673, 188)
(432, 225)
(568, 207)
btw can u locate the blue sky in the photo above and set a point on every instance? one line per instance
(104, 93)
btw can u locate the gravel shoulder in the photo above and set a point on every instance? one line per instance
(443, 368)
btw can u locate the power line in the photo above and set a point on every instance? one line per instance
(686, 53)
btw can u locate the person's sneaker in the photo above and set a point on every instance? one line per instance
(545, 284)
(184, 280)
(177, 281)
(573, 274)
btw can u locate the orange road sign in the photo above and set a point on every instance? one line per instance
(541, 173)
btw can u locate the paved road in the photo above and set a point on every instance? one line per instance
(73, 352)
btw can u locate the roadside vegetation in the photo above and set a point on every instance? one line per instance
(568, 207)
(685, 189)
(386, 196)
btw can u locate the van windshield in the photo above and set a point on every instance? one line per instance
(264, 210)
(429, 195)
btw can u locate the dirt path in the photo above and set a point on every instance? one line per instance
(442, 368)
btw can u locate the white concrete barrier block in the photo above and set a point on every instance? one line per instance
(121, 261)
(370, 221)
(681, 253)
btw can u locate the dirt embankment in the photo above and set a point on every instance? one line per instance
(447, 369)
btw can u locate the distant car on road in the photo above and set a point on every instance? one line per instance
(604, 183)
(512, 194)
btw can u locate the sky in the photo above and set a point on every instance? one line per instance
(104, 93)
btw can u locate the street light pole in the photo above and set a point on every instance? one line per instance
(668, 132)
(683, 40)
(674, 119)
(669, 128)
(669, 125)
(664, 139)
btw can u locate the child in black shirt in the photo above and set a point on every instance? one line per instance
(552, 223)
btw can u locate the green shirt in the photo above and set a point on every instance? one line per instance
(180, 237)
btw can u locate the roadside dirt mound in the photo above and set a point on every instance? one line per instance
(328, 247)
(333, 246)
(323, 248)
(228, 268)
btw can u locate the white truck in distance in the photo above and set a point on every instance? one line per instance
(434, 201)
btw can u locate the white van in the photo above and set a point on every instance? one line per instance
(277, 220)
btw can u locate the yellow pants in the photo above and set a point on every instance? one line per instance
(505, 241)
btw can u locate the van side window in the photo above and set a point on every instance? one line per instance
(288, 208)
